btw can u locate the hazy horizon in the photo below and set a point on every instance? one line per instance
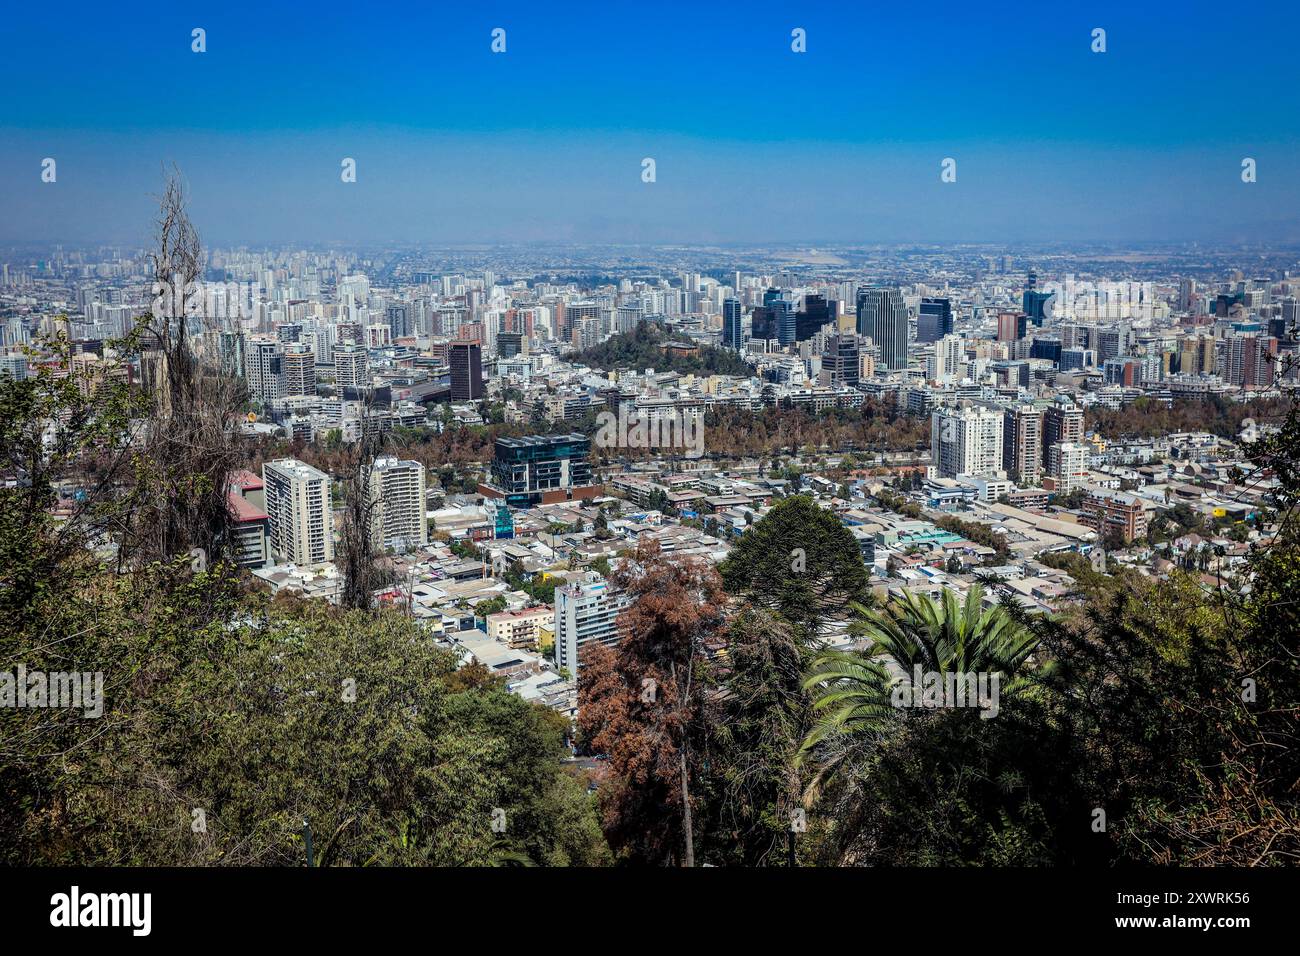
(840, 144)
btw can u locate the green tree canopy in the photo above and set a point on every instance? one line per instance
(799, 561)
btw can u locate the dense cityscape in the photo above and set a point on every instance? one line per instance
(515, 464)
(587, 463)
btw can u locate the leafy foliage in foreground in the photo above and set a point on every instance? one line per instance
(262, 715)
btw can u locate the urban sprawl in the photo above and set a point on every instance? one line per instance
(966, 413)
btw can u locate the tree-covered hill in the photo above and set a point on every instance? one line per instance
(644, 348)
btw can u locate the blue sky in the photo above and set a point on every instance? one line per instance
(752, 142)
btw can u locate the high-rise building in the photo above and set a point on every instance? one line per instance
(466, 361)
(1022, 442)
(1045, 347)
(299, 364)
(882, 316)
(1011, 373)
(842, 361)
(946, 362)
(1036, 305)
(227, 350)
(397, 503)
(1062, 422)
(354, 291)
(786, 321)
(399, 320)
(575, 312)
(762, 322)
(1067, 467)
(1197, 355)
(934, 320)
(966, 441)
(586, 612)
(1077, 336)
(1290, 317)
(1012, 326)
(1074, 358)
(816, 314)
(1125, 371)
(509, 344)
(351, 367)
(301, 522)
(264, 370)
(13, 365)
(350, 333)
(733, 332)
(1249, 360)
(1113, 343)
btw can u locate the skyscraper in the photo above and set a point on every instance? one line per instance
(1012, 326)
(466, 361)
(1067, 467)
(842, 361)
(1114, 343)
(1249, 360)
(817, 313)
(264, 372)
(1035, 304)
(1290, 314)
(399, 320)
(882, 316)
(299, 364)
(784, 318)
(733, 332)
(762, 323)
(934, 320)
(947, 361)
(350, 367)
(509, 344)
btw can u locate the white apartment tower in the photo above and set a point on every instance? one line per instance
(1067, 464)
(301, 525)
(948, 360)
(264, 369)
(398, 514)
(966, 441)
(585, 612)
(350, 367)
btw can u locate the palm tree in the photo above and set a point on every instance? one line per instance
(854, 691)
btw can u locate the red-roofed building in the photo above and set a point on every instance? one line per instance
(246, 482)
(249, 520)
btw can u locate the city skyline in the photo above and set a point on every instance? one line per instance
(639, 437)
